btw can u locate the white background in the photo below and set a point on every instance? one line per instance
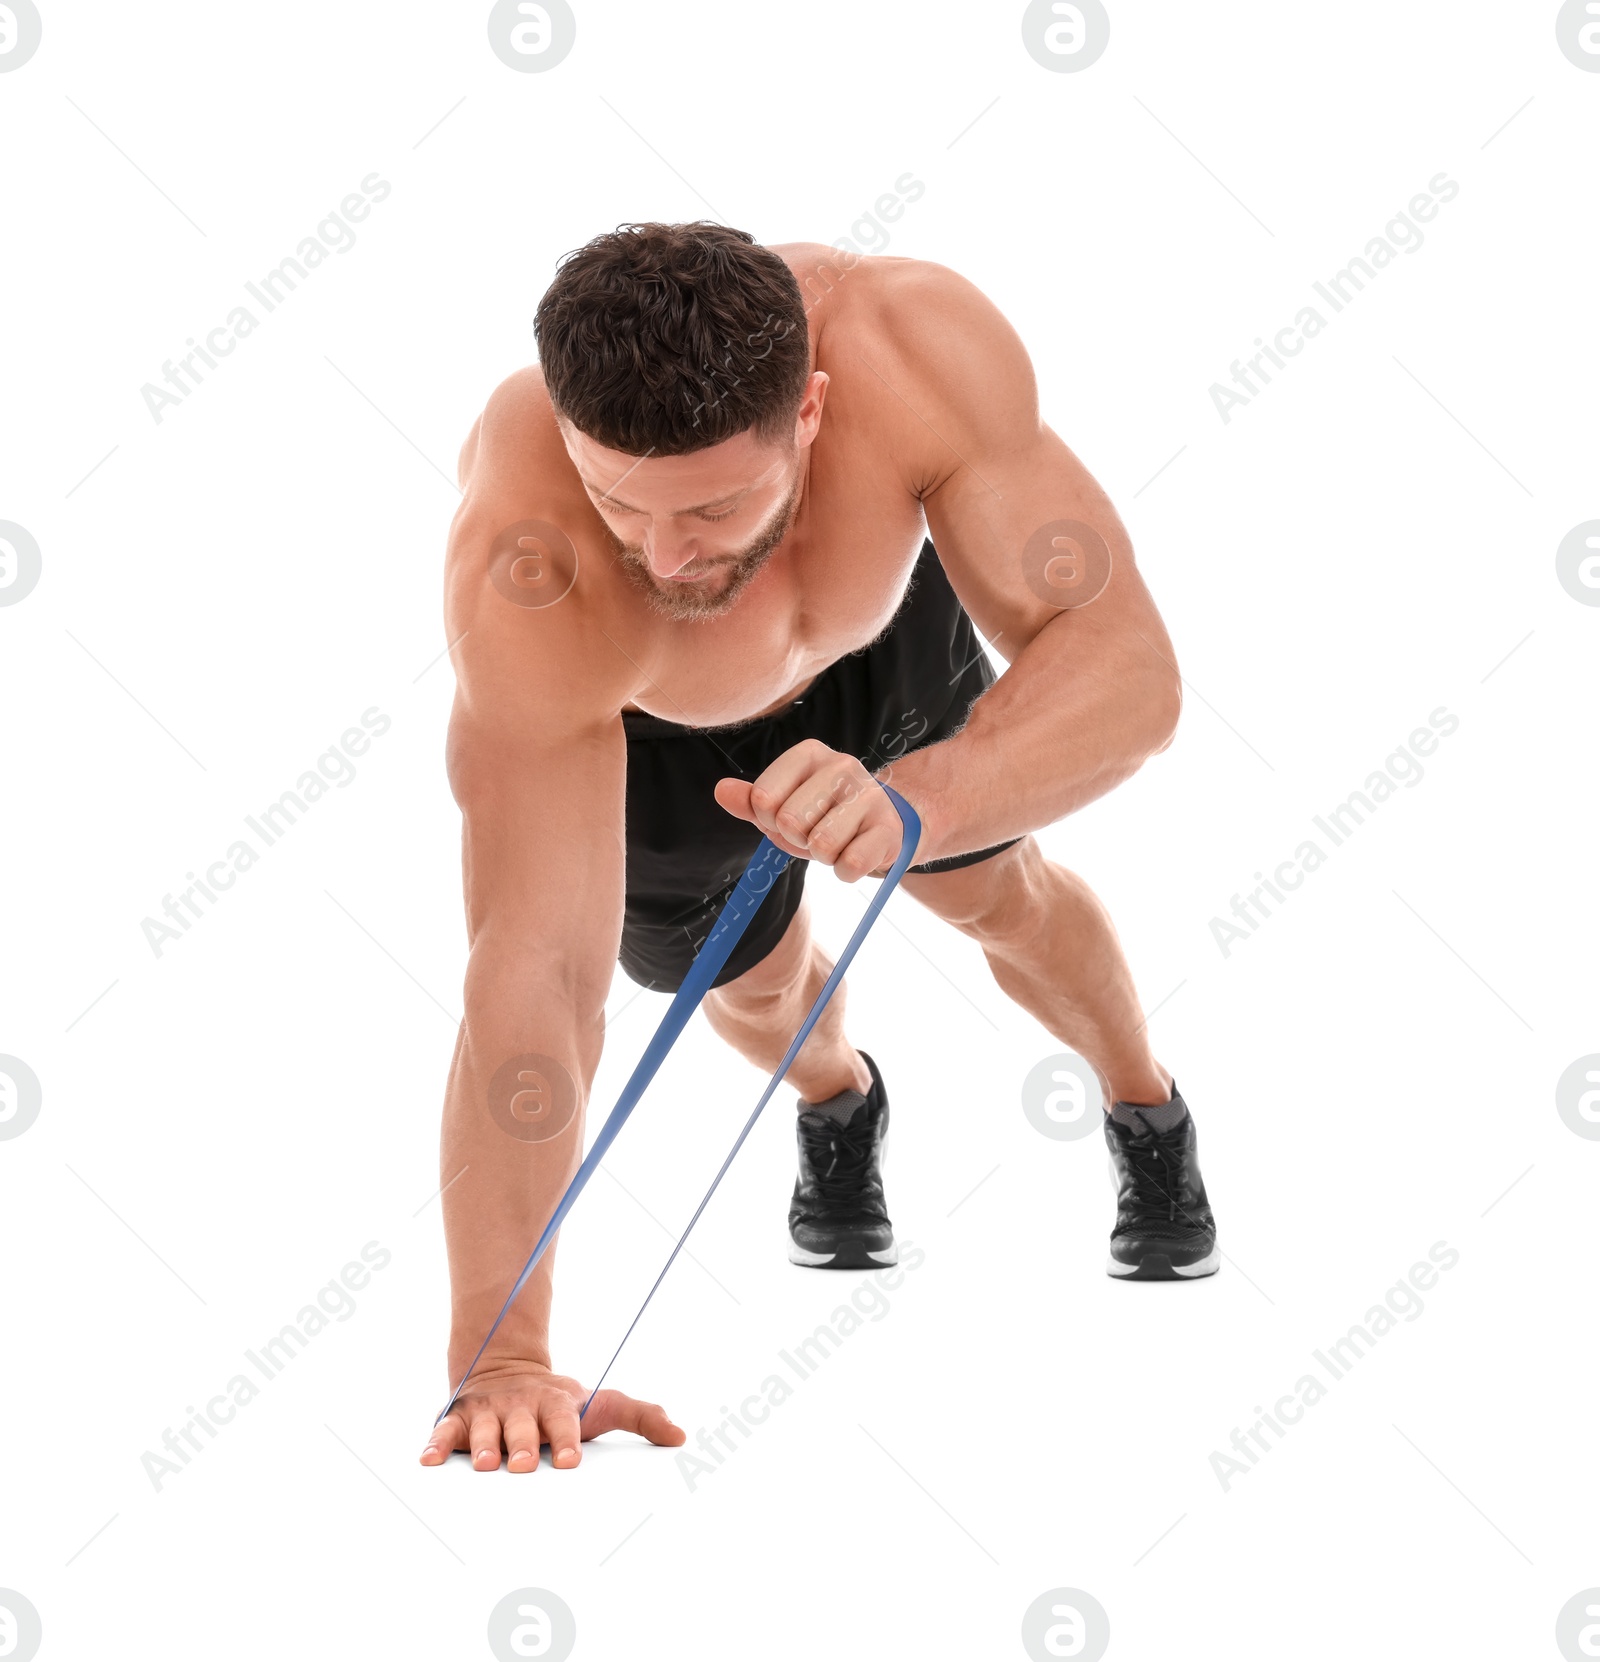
(1371, 1072)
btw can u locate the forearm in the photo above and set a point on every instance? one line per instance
(502, 1174)
(1079, 710)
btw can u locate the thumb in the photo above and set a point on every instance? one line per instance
(734, 795)
(613, 1411)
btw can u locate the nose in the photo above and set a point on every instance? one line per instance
(668, 554)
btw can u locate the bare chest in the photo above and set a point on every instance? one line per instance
(830, 588)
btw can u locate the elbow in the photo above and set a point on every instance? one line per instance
(520, 974)
(1163, 705)
(519, 999)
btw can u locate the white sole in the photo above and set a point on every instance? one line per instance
(814, 1260)
(1209, 1265)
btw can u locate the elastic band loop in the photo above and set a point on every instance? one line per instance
(766, 865)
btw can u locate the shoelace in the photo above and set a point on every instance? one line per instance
(1157, 1161)
(839, 1156)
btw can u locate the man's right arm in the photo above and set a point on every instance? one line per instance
(537, 762)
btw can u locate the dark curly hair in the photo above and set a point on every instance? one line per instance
(666, 339)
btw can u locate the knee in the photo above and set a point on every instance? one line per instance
(768, 985)
(1004, 911)
(751, 994)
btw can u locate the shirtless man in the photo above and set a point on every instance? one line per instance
(693, 602)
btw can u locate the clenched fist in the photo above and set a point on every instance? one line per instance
(820, 804)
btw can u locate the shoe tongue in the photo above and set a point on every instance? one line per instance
(841, 1108)
(1158, 1117)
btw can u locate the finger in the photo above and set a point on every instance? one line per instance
(824, 793)
(796, 819)
(522, 1441)
(558, 1420)
(795, 850)
(764, 816)
(485, 1437)
(612, 1411)
(449, 1434)
(856, 844)
(734, 796)
(846, 822)
(834, 805)
(783, 777)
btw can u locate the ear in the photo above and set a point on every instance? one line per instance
(809, 417)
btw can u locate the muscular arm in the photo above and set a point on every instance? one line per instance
(540, 788)
(537, 762)
(1091, 690)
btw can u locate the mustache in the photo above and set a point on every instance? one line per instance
(758, 548)
(687, 601)
(635, 552)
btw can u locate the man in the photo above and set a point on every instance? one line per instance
(692, 602)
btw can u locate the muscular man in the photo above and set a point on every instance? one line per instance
(692, 602)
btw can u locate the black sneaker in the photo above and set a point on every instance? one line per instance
(838, 1219)
(1165, 1231)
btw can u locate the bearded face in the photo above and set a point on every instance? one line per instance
(709, 585)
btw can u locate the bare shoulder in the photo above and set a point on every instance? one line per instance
(946, 332)
(527, 588)
(922, 351)
(515, 439)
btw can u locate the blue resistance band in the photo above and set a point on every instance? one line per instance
(766, 865)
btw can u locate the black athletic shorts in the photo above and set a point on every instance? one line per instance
(913, 686)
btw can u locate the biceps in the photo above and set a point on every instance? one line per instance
(542, 845)
(1030, 535)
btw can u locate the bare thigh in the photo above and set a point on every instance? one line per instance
(991, 901)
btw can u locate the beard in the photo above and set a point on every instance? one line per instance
(724, 580)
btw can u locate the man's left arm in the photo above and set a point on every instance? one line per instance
(1040, 560)
(1042, 564)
